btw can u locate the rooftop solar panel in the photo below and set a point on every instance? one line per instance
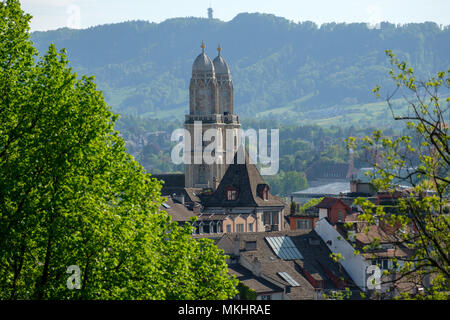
(288, 279)
(284, 248)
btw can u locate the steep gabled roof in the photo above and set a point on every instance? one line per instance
(245, 178)
(177, 211)
(329, 202)
(173, 183)
(259, 284)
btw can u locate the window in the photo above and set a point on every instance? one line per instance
(263, 191)
(340, 215)
(231, 193)
(240, 227)
(197, 229)
(268, 297)
(219, 227)
(271, 218)
(228, 228)
(274, 217)
(250, 227)
(382, 263)
(250, 245)
(304, 224)
(267, 218)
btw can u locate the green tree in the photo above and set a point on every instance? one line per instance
(246, 293)
(421, 159)
(293, 207)
(310, 203)
(71, 195)
(286, 182)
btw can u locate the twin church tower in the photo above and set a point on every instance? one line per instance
(211, 102)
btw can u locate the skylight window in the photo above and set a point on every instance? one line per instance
(284, 248)
(288, 279)
(165, 205)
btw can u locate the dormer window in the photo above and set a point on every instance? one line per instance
(263, 191)
(231, 193)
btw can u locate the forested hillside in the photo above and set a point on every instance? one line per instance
(280, 68)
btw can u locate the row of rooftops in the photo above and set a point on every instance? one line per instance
(244, 178)
(314, 272)
(253, 258)
(255, 263)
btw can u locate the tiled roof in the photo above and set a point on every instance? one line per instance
(329, 202)
(171, 179)
(211, 217)
(259, 284)
(245, 178)
(177, 211)
(173, 183)
(312, 248)
(374, 232)
(192, 194)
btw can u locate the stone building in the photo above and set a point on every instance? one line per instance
(245, 197)
(225, 198)
(211, 105)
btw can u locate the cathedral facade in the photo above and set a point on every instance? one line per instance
(211, 106)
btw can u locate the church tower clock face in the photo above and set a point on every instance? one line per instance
(211, 102)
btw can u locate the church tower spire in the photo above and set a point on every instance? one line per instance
(225, 84)
(203, 92)
(203, 46)
(211, 105)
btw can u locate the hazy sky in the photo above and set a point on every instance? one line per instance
(53, 14)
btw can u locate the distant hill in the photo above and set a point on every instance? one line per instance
(279, 68)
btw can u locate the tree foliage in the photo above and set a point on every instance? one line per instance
(418, 165)
(71, 195)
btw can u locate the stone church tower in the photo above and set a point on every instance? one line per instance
(211, 105)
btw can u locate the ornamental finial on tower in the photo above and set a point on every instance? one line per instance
(203, 46)
(219, 48)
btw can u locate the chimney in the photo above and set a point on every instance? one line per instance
(353, 186)
(257, 267)
(237, 246)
